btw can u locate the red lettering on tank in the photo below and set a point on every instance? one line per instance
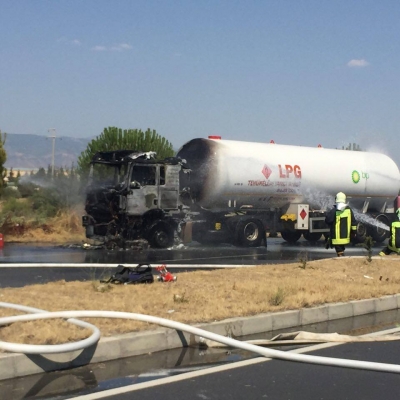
(282, 174)
(288, 170)
(297, 171)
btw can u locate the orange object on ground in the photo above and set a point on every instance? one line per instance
(165, 275)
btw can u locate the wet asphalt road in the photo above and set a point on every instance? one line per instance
(277, 379)
(277, 251)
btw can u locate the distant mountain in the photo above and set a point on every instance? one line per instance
(35, 151)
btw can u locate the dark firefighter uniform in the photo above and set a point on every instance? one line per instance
(394, 240)
(343, 227)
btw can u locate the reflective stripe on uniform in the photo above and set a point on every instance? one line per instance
(342, 227)
(394, 239)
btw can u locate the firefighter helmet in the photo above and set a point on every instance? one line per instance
(340, 198)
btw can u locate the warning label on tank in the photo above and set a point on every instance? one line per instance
(266, 171)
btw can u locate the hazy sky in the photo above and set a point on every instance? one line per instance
(298, 72)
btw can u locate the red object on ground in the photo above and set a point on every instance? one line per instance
(1, 241)
(165, 275)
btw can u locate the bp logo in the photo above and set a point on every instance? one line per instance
(355, 176)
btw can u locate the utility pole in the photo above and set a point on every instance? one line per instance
(52, 130)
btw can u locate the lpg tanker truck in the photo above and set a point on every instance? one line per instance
(217, 190)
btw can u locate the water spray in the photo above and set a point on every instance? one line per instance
(367, 219)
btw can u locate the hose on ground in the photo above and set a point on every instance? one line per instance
(265, 352)
(47, 349)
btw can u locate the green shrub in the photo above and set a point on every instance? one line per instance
(15, 207)
(46, 202)
(10, 193)
(27, 189)
(276, 299)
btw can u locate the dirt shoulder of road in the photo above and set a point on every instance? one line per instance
(201, 296)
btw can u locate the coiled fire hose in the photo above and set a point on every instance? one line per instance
(37, 314)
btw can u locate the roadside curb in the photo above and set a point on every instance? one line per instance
(110, 348)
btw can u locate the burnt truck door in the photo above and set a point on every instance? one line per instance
(169, 185)
(143, 189)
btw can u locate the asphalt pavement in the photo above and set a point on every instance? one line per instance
(278, 380)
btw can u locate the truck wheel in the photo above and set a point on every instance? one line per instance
(378, 232)
(161, 236)
(291, 236)
(361, 232)
(249, 233)
(312, 236)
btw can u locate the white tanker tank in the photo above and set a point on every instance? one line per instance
(228, 173)
(261, 177)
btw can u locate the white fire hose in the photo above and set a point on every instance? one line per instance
(265, 352)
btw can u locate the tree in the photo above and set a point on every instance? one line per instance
(41, 174)
(61, 174)
(113, 138)
(11, 176)
(3, 158)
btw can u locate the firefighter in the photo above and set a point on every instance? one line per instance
(394, 238)
(343, 226)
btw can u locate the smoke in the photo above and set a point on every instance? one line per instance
(368, 220)
(318, 199)
(325, 202)
(36, 181)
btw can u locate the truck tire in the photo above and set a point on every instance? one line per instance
(312, 236)
(249, 233)
(161, 236)
(361, 232)
(291, 236)
(378, 233)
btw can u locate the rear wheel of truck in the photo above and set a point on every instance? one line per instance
(312, 236)
(291, 236)
(361, 232)
(381, 230)
(161, 236)
(249, 233)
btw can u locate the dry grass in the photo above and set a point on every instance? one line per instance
(65, 227)
(203, 296)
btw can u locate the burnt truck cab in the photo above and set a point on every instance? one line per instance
(131, 196)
